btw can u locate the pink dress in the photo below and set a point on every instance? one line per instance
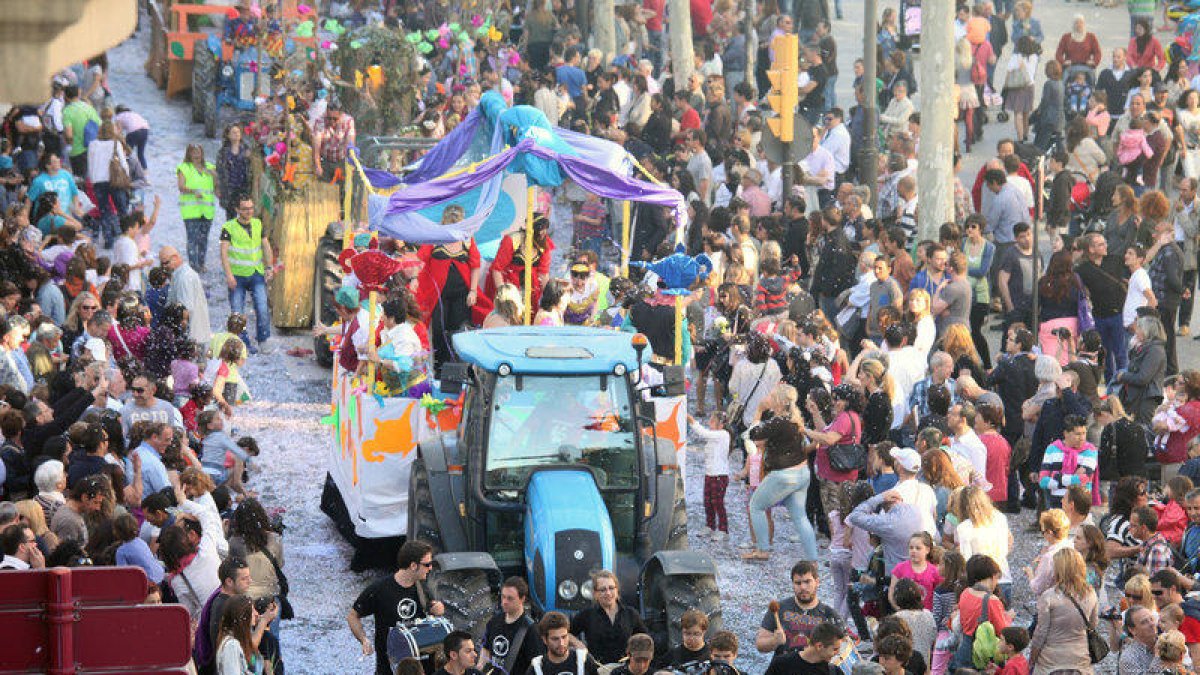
(928, 580)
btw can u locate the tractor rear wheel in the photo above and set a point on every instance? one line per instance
(671, 596)
(204, 78)
(212, 113)
(467, 595)
(422, 522)
(677, 536)
(326, 282)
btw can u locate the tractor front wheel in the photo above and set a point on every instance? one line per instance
(671, 596)
(467, 596)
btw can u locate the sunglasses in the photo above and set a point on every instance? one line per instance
(579, 275)
(137, 390)
(426, 565)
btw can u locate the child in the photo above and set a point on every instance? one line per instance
(1013, 641)
(1167, 417)
(893, 653)
(1170, 618)
(1078, 94)
(227, 385)
(156, 295)
(1089, 541)
(752, 473)
(1098, 116)
(716, 474)
(849, 557)
(909, 600)
(723, 647)
(591, 224)
(1133, 149)
(184, 373)
(694, 649)
(199, 398)
(102, 273)
(1172, 520)
(235, 325)
(216, 448)
(1171, 650)
(883, 467)
(400, 352)
(945, 603)
(921, 567)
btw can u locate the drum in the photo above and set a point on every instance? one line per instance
(417, 639)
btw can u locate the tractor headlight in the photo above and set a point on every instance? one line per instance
(227, 71)
(586, 590)
(504, 370)
(568, 589)
(619, 370)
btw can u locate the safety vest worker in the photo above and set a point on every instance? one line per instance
(196, 179)
(248, 263)
(245, 246)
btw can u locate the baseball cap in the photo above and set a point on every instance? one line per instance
(907, 458)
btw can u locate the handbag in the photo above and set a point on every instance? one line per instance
(1084, 310)
(118, 177)
(1017, 78)
(286, 613)
(847, 456)
(736, 411)
(1097, 645)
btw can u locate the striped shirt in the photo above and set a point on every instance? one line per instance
(1052, 476)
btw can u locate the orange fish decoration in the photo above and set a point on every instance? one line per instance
(669, 428)
(391, 437)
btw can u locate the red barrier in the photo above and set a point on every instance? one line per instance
(65, 621)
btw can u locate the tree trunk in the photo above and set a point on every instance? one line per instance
(604, 24)
(935, 175)
(680, 30)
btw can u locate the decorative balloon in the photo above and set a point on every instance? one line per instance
(679, 271)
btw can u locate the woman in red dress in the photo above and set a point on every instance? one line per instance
(509, 265)
(448, 289)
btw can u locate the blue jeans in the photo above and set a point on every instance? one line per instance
(830, 93)
(257, 285)
(137, 140)
(197, 241)
(113, 204)
(1115, 341)
(789, 486)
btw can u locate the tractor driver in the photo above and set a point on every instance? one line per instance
(395, 599)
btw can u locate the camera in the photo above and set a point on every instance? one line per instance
(1063, 333)
(1111, 614)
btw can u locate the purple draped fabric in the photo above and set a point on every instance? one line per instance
(444, 155)
(591, 178)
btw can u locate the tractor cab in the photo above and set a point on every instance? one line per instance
(556, 471)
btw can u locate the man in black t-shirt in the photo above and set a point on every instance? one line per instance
(560, 659)
(798, 615)
(510, 638)
(460, 653)
(823, 644)
(394, 599)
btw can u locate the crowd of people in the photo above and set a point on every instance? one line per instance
(840, 364)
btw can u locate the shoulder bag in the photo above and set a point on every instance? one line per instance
(848, 456)
(286, 613)
(735, 414)
(118, 177)
(1097, 645)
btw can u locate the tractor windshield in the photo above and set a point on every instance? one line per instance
(539, 421)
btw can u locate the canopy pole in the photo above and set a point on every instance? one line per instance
(679, 330)
(347, 205)
(625, 238)
(528, 244)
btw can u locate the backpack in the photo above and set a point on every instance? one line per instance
(204, 652)
(581, 657)
(986, 643)
(91, 131)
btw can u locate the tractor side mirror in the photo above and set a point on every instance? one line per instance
(674, 383)
(454, 376)
(646, 411)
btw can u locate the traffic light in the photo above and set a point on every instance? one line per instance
(784, 96)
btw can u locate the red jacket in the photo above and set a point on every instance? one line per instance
(513, 271)
(1172, 521)
(977, 188)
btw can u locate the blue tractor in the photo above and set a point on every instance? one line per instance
(556, 471)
